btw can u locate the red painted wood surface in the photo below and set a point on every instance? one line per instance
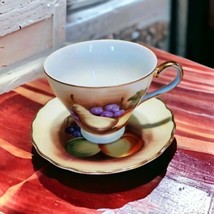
(179, 181)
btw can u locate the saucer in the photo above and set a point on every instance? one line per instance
(152, 121)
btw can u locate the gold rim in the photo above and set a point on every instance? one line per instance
(93, 87)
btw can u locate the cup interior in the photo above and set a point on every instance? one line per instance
(100, 63)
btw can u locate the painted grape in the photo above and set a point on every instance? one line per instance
(110, 110)
(74, 130)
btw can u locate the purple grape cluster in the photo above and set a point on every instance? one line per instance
(110, 110)
(74, 130)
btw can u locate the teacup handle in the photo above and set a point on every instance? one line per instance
(169, 86)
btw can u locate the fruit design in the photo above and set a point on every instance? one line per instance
(93, 122)
(127, 145)
(74, 130)
(102, 119)
(110, 110)
(106, 118)
(79, 147)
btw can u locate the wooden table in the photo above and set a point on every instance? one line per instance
(181, 180)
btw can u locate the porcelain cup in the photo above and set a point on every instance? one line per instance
(101, 82)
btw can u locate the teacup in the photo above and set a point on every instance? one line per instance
(101, 82)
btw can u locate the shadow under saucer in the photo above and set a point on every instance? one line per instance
(109, 190)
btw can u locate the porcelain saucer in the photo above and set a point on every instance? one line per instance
(152, 121)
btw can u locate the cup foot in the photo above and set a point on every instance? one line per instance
(103, 139)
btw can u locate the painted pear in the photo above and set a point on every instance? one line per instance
(91, 121)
